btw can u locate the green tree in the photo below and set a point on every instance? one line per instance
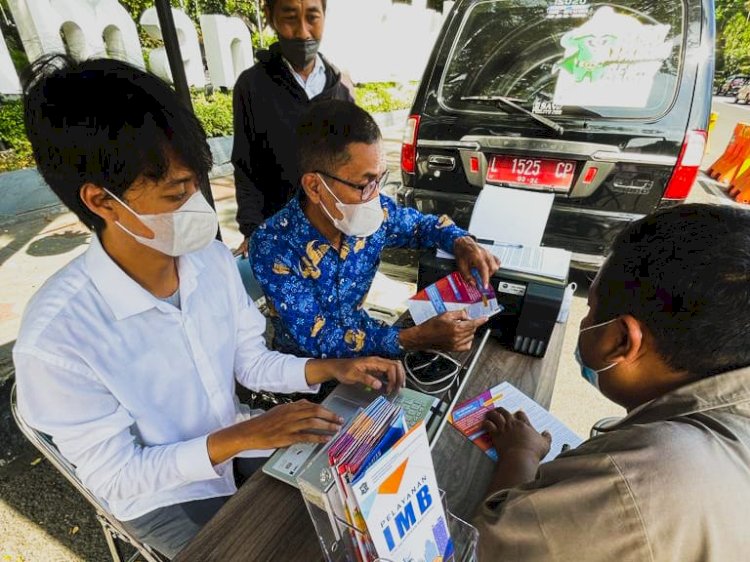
(732, 38)
(736, 43)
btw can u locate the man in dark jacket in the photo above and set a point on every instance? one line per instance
(269, 99)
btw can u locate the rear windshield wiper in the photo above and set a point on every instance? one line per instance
(502, 100)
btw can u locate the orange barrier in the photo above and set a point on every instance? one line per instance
(739, 184)
(741, 193)
(739, 189)
(736, 157)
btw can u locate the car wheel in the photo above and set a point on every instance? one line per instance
(736, 99)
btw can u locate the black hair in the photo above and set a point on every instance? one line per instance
(106, 122)
(685, 273)
(271, 4)
(327, 129)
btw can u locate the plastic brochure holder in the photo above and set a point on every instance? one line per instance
(337, 536)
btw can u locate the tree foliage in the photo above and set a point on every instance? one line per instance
(732, 37)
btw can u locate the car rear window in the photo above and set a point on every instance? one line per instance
(566, 58)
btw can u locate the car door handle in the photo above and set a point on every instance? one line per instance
(441, 162)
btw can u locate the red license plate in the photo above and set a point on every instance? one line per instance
(536, 173)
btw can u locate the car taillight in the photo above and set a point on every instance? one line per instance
(409, 145)
(687, 167)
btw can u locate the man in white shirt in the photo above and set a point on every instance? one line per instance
(128, 356)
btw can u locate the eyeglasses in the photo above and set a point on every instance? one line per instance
(367, 190)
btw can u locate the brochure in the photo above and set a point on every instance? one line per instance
(400, 503)
(468, 416)
(453, 293)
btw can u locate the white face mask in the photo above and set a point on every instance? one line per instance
(189, 228)
(360, 219)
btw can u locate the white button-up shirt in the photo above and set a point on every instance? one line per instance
(316, 81)
(129, 386)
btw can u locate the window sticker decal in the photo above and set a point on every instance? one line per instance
(612, 60)
(545, 107)
(569, 9)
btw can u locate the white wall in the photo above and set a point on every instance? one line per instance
(228, 46)
(373, 40)
(86, 26)
(377, 40)
(190, 49)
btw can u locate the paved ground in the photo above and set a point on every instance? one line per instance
(41, 517)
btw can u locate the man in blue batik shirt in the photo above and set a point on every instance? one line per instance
(316, 258)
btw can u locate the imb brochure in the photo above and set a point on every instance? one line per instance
(399, 500)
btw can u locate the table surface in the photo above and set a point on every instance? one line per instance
(267, 519)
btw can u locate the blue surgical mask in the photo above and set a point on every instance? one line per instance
(591, 375)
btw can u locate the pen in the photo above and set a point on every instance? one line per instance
(502, 244)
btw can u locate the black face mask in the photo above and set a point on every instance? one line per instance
(299, 52)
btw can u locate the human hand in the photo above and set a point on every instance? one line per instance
(241, 250)
(514, 434)
(470, 255)
(368, 370)
(284, 425)
(450, 331)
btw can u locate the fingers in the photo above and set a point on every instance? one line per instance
(303, 409)
(394, 371)
(316, 424)
(464, 345)
(455, 315)
(521, 415)
(496, 419)
(304, 437)
(467, 328)
(369, 371)
(464, 268)
(486, 264)
(489, 426)
(506, 415)
(483, 267)
(493, 261)
(396, 377)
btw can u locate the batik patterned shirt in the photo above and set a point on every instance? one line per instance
(318, 292)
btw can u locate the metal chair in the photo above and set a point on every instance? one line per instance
(114, 532)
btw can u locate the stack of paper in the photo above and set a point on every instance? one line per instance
(387, 488)
(468, 417)
(512, 216)
(510, 224)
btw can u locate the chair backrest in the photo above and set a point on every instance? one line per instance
(248, 279)
(45, 446)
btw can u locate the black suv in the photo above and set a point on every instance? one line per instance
(604, 104)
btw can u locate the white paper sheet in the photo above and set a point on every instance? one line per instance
(511, 216)
(541, 260)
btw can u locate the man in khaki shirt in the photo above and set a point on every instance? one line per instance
(668, 337)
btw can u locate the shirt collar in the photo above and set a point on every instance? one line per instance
(124, 296)
(303, 231)
(317, 69)
(712, 393)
